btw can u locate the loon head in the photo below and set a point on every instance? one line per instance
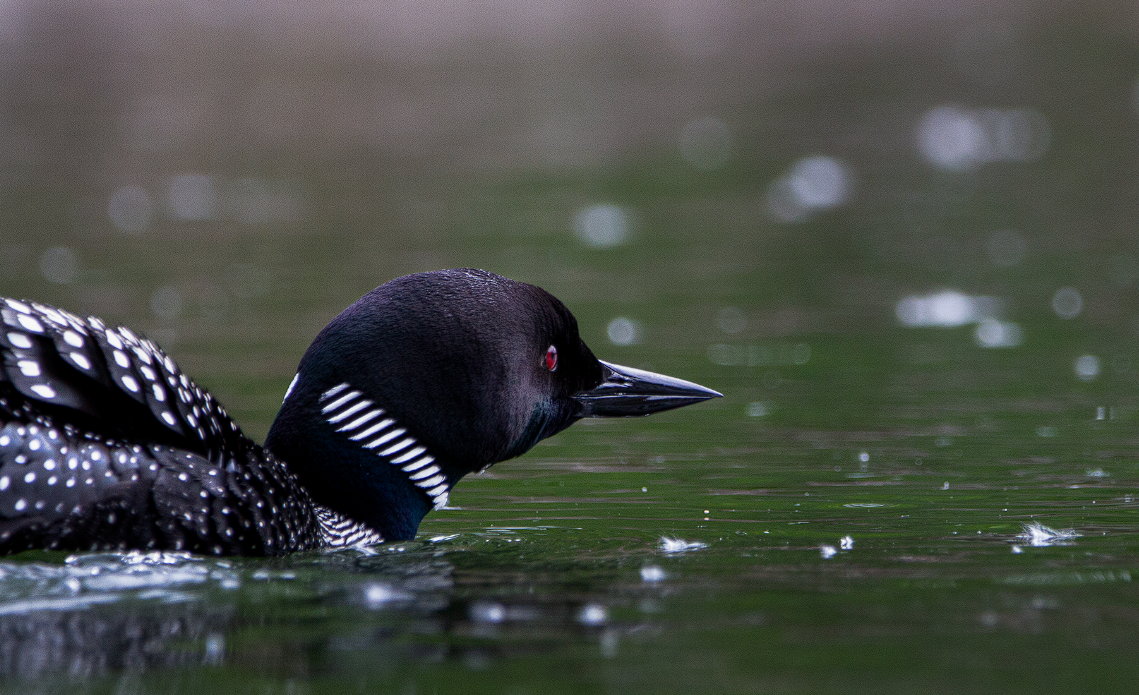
(435, 375)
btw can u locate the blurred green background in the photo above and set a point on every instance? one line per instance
(899, 236)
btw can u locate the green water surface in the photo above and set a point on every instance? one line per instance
(850, 518)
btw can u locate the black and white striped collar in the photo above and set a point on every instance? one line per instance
(338, 531)
(366, 423)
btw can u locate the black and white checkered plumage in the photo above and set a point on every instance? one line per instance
(169, 470)
(105, 444)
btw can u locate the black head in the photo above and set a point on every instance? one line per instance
(475, 367)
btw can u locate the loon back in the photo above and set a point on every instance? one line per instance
(106, 444)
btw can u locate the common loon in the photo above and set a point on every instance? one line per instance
(105, 444)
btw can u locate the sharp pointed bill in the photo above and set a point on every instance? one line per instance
(627, 392)
(341, 402)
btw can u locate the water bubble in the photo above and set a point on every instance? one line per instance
(706, 143)
(166, 302)
(623, 331)
(652, 573)
(130, 209)
(1086, 367)
(1006, 248)
(59, 265)
(602, 226)
(732, 320)
(1067, 303)
(193, 197)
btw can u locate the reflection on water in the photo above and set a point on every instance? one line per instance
(94, 616)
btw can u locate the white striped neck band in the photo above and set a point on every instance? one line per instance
(355, 416)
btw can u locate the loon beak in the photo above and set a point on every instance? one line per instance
(626, 391)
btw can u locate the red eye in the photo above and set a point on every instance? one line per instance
(552, 358)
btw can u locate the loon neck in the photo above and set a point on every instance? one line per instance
(355, 459)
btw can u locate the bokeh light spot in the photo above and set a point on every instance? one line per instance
(623, 331)
(991, 333)
(943, 310)
(958, 139)
(951, 138)
(1086, 367)
(193, 197)
(59, 265)
(1067, 303)
(130, 209)
(820, 182)
(601, 226)
(166, 302)
(812, 184)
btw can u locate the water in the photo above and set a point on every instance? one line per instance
(900, 244)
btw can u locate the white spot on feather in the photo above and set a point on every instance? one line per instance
(292, 385)
(81, 360)
(30, 323)
(43, 391)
